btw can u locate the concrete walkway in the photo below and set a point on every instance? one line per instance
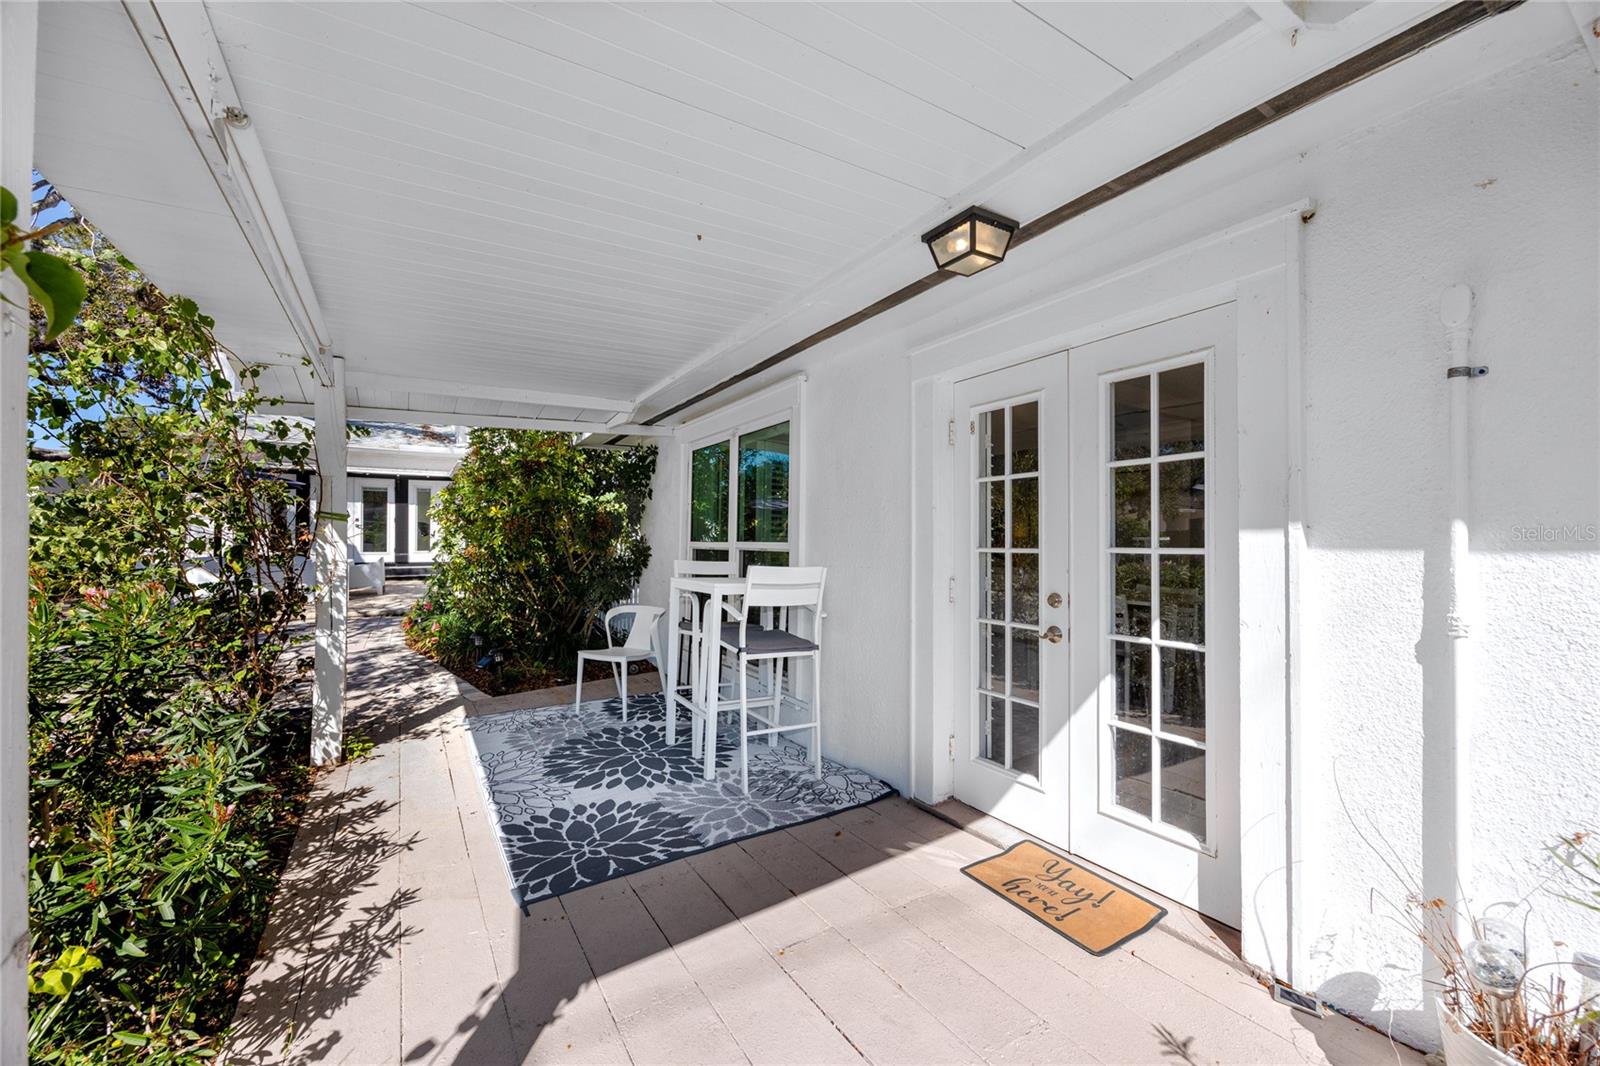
(854, 939)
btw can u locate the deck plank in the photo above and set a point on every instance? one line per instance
(660, 1011)
(772, 1019)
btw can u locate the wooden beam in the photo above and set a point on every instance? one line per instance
(182, 45)
(407, 416)
(19, 30)
(333, 570)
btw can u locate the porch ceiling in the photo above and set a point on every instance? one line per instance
(583, 213)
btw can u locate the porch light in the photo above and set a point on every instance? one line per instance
(972, 241)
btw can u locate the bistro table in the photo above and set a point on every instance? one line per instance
(705, 694)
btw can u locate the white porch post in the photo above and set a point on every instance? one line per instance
(19, 28)
(333, 569)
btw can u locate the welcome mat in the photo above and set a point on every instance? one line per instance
(580, 796)
(1097, 915)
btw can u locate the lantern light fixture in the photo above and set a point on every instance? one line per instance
(972, 241)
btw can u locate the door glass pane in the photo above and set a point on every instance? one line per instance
(1183, 598)
(992, 658)
(1131, 757)
(708, 493)
(1183, 503)
(713, 554)
(992, 728)
(423, 542)
(1025, 738)
(1131, 678)
(1025, 512)
(1025, 438)
(1183, 693)
(992, 585)
(1025, 663)
(1183, 787)
(1130, 419)
(992, 443)
(375, 520)
(1182, 421)
(747, 559)
(1130, 595)
(1025, 588)
(764, 484)
(992, 514)
(1130, 506)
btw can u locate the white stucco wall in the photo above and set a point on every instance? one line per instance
(1495, 184)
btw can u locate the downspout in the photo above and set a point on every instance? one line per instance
(1455, 312)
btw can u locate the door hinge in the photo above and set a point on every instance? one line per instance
(952, 747)
(952, 590)
(951, 437)
(972, 427)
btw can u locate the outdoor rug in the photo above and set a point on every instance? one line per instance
(581, 797)
(1097, 915)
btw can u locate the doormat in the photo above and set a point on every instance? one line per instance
(579, 796)
(1097, 915)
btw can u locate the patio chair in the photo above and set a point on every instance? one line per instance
(784, 589)
(640, 644)
(685, 643)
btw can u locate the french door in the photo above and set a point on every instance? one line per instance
(420, 497)
(1099, 498)
(1010, 750)
(371, 523)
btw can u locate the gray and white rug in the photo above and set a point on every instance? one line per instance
(580, 796)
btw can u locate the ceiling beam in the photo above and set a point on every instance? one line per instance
(368, 379)
(409, 417)
(183, 47)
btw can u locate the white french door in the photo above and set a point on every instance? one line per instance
(1010, 746)
(420, 496)
(1154, 687)
(371, 523)
(1098, 498)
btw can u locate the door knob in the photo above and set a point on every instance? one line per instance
(1054, 599)
(1053, 635)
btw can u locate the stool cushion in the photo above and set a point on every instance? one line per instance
(616, 655)
(761, 641)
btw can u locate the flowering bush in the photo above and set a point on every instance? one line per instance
(537, 537)
(165, 772)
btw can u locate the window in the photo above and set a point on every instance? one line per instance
(742, 508)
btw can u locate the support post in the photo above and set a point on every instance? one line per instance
(333, 568)
(19, 31)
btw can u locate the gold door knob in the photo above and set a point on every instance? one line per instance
(1053, 635)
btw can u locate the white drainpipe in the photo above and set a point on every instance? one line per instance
(1455, 311)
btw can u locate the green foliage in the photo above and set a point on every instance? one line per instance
(56, 287)
(537, 537)
(165, 772)
(1578, 855)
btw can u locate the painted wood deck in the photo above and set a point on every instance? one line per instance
(394, 939)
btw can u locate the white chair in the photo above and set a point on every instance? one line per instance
(784, 589)
(640, 644)
(685, 635)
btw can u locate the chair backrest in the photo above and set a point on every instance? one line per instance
(702, 568)
(642, 630)
(785, 586)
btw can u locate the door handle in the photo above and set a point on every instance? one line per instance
(1053, 634)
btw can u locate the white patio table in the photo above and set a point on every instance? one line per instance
(703, 696)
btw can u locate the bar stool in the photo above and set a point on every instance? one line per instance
(685, 623)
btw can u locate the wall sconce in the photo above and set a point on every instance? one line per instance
(972, 241)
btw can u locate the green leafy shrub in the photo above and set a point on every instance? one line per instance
(536, 538)
(166, 771)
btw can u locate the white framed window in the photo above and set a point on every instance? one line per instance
(740, 503)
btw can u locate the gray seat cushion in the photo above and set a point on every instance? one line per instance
(761, 641)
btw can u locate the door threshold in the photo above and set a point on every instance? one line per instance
(1185, 923)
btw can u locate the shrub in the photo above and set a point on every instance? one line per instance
(537, 537)
(165, 772)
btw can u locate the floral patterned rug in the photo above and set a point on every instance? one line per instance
(580, 796)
